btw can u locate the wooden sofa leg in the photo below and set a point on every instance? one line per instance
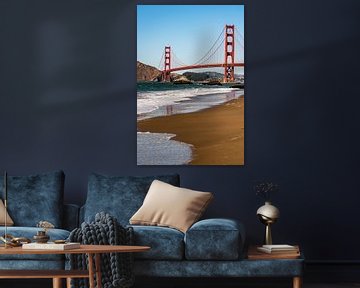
(57, 283)
(297, 282)
(68, 282)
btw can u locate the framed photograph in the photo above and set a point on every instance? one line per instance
(190, 84)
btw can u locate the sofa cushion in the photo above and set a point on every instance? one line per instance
(35, 198)
(169, 206)
(29, 232)
(165, 243)
(214, 239)
(119, 196)
(9, 221)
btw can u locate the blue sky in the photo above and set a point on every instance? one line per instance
(190, 30)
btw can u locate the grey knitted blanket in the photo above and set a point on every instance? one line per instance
(116, 268)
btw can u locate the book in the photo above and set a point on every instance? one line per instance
(255, 254)
(51, 246)
(278, 249)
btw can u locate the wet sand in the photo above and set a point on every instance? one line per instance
(216, 133)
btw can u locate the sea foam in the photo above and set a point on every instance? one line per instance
(148, 101)
(159, 149)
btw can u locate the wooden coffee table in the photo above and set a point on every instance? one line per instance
(57, 275)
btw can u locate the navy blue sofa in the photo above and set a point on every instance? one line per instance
(210, 248)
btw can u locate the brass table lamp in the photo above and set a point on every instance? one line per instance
(268, 214)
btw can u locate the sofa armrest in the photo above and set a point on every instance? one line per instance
(71, 216)
(215, 239)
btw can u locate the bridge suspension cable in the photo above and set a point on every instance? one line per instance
(240, 42)
(239, 33)
(213, 53)
(177, 59)
(209, 51)
(161, 63)
(241, 36)
(240, 53)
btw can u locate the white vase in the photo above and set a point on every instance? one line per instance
(268, 214)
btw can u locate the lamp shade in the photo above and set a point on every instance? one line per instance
(269, 211)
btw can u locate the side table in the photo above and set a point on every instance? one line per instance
(288, 259)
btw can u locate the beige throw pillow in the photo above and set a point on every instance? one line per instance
(170, 206)
(9, 221)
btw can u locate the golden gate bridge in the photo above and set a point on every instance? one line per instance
(171, 63)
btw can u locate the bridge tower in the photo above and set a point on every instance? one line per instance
(229, 53)
(167, 64)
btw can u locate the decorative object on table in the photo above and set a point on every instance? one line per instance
(41, 236)
(45, 225)
(268, 213)
(11, 241)
(116, 268)
(59, 241)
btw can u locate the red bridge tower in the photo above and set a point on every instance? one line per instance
(167, 64)
(229, 53)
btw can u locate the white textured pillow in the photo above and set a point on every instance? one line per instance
(9, 221)
(170, 206)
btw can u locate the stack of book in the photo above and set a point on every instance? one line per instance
(279, 249)
(274, 252)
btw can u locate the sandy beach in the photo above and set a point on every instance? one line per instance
(216, 133)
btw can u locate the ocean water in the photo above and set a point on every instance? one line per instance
(161, 99)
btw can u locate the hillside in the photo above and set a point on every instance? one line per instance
(203, 76)
(146, 72)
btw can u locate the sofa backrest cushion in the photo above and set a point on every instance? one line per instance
(35, 198)
(120, 196)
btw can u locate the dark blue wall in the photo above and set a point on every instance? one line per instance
(68, 101)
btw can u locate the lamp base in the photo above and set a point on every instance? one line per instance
(268, 237)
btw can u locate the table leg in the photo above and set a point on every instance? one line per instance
(68, 282)
(98, 270)
(297, 282)
(91, 270)
(57, 283)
